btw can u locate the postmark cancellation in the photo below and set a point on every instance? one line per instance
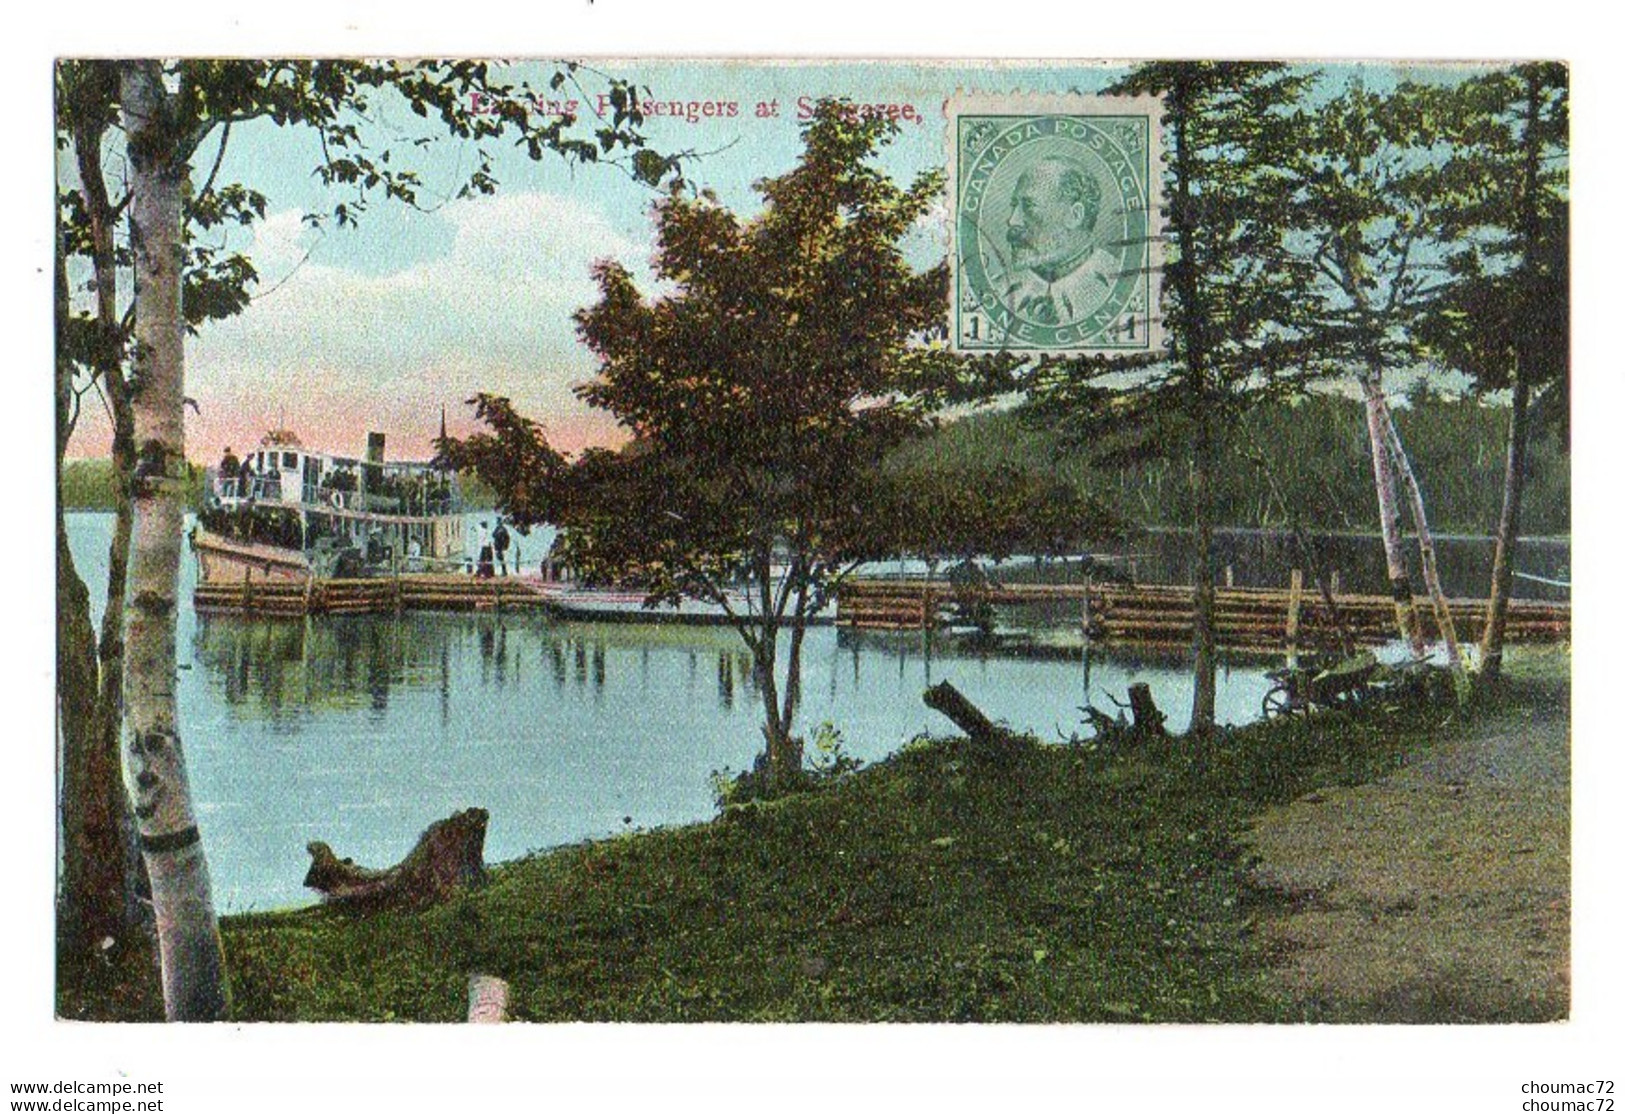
(1056, 224)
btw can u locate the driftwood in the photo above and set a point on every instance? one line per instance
(1116, 731)
(449, 854)
(943, 697)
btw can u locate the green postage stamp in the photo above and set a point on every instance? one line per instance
(1056, 223)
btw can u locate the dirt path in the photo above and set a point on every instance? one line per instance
(1440, 893)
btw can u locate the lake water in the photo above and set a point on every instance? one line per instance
(361, 730)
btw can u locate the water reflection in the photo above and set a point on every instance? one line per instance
(362, 729)
(293, 673)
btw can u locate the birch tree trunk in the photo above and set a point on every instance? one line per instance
(101, 866)
(1506, 534)
(1424, 540)
(183, 909)
(1393, 545)
(110, 370)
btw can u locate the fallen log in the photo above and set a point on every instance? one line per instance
(449, 854)
(943, 697)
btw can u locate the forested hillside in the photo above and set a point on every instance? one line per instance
(1318, 452)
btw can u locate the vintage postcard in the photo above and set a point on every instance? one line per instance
(724, 540)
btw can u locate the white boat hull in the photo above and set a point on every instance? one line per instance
(228, 561)
(605, 605)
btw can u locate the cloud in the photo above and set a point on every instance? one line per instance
(492, 313)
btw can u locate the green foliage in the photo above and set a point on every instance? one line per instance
(934, 508)
(760, 394)
(1505, 313)
(89, 485)
(1322, 463)
(469, 100)
(827, 763)
(1065, 884)
(1231, 290)
(1369, 223)
(828, 757)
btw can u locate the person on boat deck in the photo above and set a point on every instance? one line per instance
(414, 555)
(245, 479)
(229, 464)
(499, 542)
(483, 569)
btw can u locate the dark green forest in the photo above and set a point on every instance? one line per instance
(1320, 457)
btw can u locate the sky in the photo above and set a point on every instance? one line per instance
(379, 326)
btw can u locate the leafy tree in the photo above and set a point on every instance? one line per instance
(760, 394)
(97, 903)
(1504, 319)
(1369, 199)
(167, 113)
(1232, 296)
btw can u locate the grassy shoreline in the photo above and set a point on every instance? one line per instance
(1044, 882)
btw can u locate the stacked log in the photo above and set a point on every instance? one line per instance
(891, 605)
(263, 597)
(1162, 615)
(367, 595)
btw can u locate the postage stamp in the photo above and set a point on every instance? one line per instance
(1056, 223)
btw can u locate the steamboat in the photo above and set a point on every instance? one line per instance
(284, 512)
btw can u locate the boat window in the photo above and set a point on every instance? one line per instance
(290, 460)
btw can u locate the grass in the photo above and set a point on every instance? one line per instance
(1042, 882)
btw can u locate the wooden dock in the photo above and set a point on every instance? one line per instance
(380, 594)
(1148, 615)
(1163, 615)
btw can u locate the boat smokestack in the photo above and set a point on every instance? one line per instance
(375, 448)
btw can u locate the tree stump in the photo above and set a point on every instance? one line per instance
(450, 854)
(487, 1000)
(1148, 718)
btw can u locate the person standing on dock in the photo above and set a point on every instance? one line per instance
(482, 567)
(227, 472)
(245, 479)
(499, 543)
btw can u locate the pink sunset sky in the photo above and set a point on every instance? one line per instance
(333, 350)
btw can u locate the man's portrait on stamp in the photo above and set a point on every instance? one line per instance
(1060, 273)
(1055, 224)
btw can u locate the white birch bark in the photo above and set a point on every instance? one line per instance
(1424, 540)
(183, 910)
(1393, 545)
